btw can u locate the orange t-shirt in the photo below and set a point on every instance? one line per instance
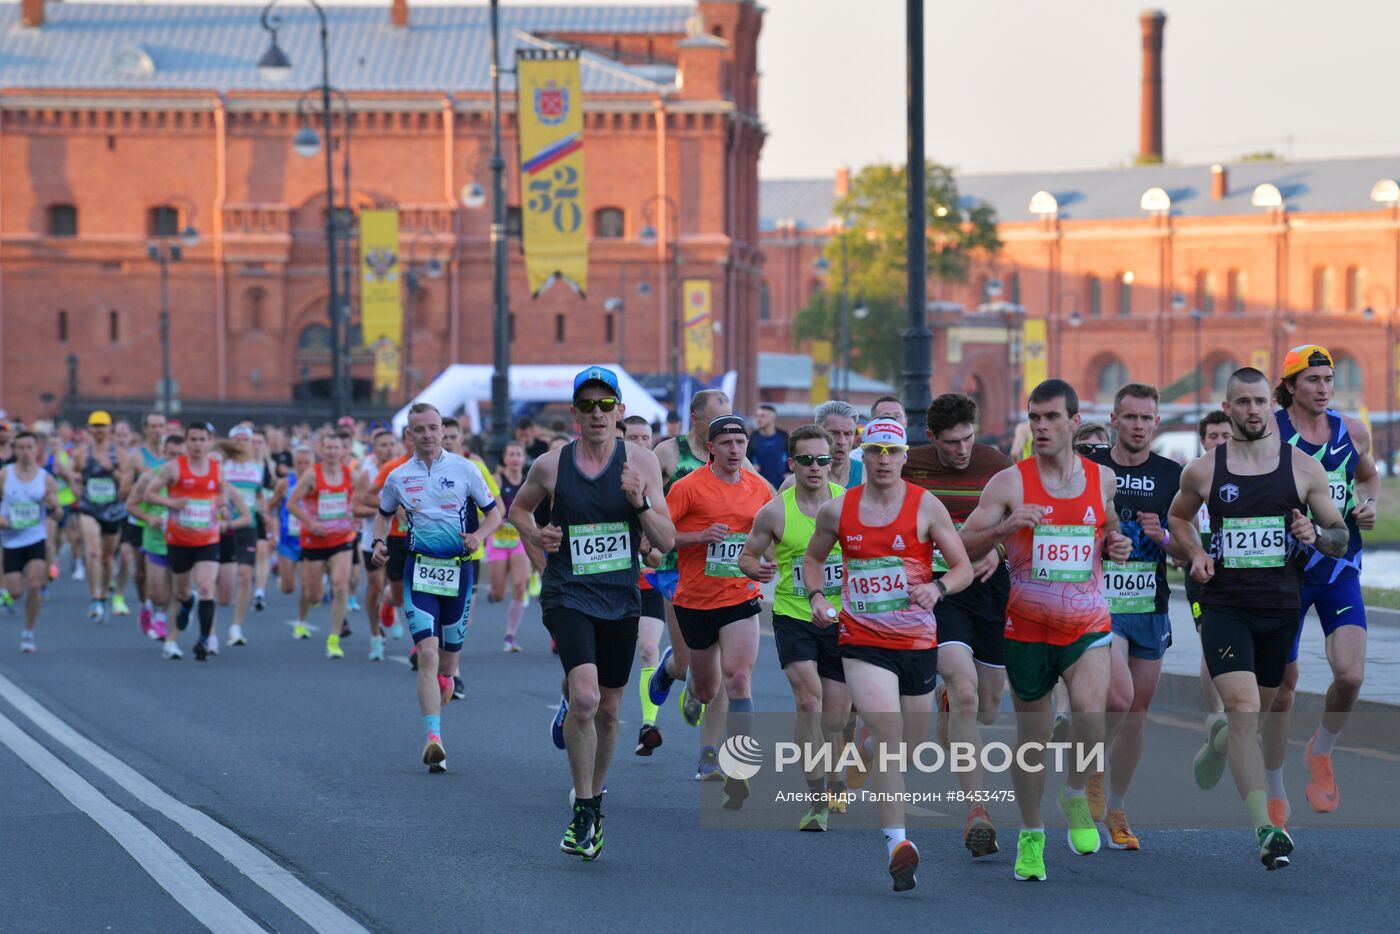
(396, 529)
(709, 574)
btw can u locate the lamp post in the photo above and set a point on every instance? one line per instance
(918, 339)
(617, 305)
(164, 251)
(648, 238)
(275, 65)
(1370, 315)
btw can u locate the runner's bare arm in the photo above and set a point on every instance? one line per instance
(51, 493)
(1116, 546)
(1325, 529)
(539, 483)
(136, 501)
(492, 520)
(641, 478)
(296, 504)
(818, 548)
(934, 518)
(363, 503)
(236, 507)
(169, 473)
(999, 514)
(668, 454)
(1181, 519)
(1368, 478)
(127, 472)
(767, 529)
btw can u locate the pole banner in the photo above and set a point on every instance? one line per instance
(821, 371)
(1034, 356)
(549, 106)
(381, 307)
(699, 328)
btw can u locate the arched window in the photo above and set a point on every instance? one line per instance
(1220, 375)
(314, 341)
(63, 220)
(1094, 290)
(1205, 291)
(253, 301)
(1355, 288)
(608, 224)
(765, 302)
(1112, 377)
(1235, 284)
(1322, 288)
(1346, 383)
(1125, 294)
(163, 221)
(1013, 288)
(62, 326)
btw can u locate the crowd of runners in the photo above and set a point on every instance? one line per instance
(911, 580)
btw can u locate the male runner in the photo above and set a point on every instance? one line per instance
(439, 494)
(889, 407)
(768, 445)
(289, 535)
(454, 441)
(267, 542)
(1054, 513)
(605, 495)
(141, 458)
(1332, 585)
(838, 418)
(28, 493)
(887, 530)
(238, 547)
(384, 448)
(652, 620)
(1257, 488)
(321, 502)
(102, 479)
(397, 548)
(808, 653)
(154, 550)
(955, 469)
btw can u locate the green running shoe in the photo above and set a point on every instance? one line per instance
(580, 837)
(692, 711)
(1274, 846)
(1083, 836)
(815, 819)
(1209, 764)
(1030, 856)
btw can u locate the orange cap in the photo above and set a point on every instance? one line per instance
(1303, 356)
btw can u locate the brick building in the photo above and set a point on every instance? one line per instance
(124, 123)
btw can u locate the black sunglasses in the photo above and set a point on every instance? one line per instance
(586, 406)
(1090, 448)
(807, 460)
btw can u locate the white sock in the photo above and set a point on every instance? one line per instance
(149, 605)
(1074, 792)
(1116, 802)
(1040, 829)
(894, 836)
(1274, 777)
(1323, 741)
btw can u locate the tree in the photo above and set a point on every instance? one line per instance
(876, 238)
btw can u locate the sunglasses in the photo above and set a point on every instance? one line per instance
(880, 450)
(586, 406)
(1088, 449)
(807, 460)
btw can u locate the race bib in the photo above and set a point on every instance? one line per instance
(250, 498)
(940, 565)
(25, 515)
(101, 490)
(1339, 489)
(833, 573)
(293, 525)
(332, 506)
(722, 557)
(1063, 553)
(1257, 542)
(506, 537)
(196, 514)
(599, 548)
(876, 585)
(1203, 523)
(441, 576)
(1130, 587)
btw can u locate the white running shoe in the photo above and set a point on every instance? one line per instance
(79, 572)
(26, 642)
(212, 644)
(172, 651)
(235, 636)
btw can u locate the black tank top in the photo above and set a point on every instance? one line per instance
(100, 494)
(1257, 560)
(595, 569)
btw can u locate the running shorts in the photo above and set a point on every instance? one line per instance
(666, 582)
(501, 554)
(239, 546)
(1148, 634)
(801, 640)
(183, 558)
(700, 628)
(653, 605)
(17, 558)
(1338, 604)
(438, 616)
(324, 554)
(916, 669)
(1238, 639)
(980, 635)
(398, 554)
(608, 644)
(131, 535)
(1033, 668)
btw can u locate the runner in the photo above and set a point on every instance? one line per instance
(768, 445)
(59, 464)
(454, 442)
(321, 502)
(1054, 513)
(238, 546)
(653, 615)
(384, 448)
(1209, 762)
(141, 458)
(1331, 585)
(27, 494)
(289, 537)
(605, 494)
(267, 541)
(887, 530)
(955, 469)
(1257, 488)
(154, 551)
(505, 555)
(397, 548)
(839, 420)
(102, 479)
(808, 653)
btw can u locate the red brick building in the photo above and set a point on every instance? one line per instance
(122, 123)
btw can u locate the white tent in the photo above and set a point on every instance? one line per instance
(463, 387)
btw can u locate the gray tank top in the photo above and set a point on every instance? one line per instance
(595, 569)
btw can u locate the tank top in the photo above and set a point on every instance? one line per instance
(197, 522)
(790, 594)
(686, 464)
(1056, 568)
(881, 564)
(66, 496)
(291, 524)
(153, 536)
(595, 569)
(1338, 457)
(1257, 560)
(22, 503)
(149, 462)
(506, 536)
(330, 504)
(100, 499)
(246, 477)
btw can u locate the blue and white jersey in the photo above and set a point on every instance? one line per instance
(440, 501)
(1338, 457)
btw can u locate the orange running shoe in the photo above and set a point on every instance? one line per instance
(904, 862)
(445, 685)
(1279, 812)
(1322, 792)
(1094, 792)
(979, 836)
(1120, 835)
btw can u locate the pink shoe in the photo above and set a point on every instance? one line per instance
(147, 629)
(158, 630)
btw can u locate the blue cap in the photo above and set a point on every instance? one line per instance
(597, 374)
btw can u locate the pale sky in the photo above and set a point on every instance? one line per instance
(1027, 84)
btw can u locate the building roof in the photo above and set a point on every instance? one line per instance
(1323, 185)
(180, 46)
(794, 371)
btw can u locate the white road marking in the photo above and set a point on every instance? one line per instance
(189, 889)
(304, 902)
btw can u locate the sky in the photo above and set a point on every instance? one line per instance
(1020, 85)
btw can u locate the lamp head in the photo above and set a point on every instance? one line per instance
(274, 65)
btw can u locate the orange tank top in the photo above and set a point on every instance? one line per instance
(882, 563)
(1056, 568)
(330, 504)
(197, 522)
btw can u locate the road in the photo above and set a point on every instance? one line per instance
(273, 789)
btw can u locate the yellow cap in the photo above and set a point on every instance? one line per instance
(1303, 356)
(99, 418)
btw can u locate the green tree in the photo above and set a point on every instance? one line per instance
(876, 239)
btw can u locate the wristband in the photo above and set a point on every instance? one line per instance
(1166, 537)
(1001, 550)
(942, 587)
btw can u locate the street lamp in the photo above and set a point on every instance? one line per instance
(617, 305)
(166, 250)
(647, 236)
(918, 339)
(1370, 315)
(275, 65)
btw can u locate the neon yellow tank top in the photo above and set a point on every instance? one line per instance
(790, 596)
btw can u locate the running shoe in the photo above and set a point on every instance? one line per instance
(459, 689)
(1209, 763)
(1120, 835)
(259, 601)
(1279, 812)
(345, 630)
(79, 572)
(413, 658)
(353, 603)
(707, 769)
(96, 610)
(836, 797)
(1093, 790)
(26, 642)
(692, 711)
(579, 836)
(7, 602)
(386, 615)
(333, 649)
(54, 571)
(1059, 733)
(659, 687)
(904, 862)
(445, 686)
(396, 631)
(159, 629)
(1030, 856)
(1082, 835)
(212, 644)
(647, 739)
(815, 819)
(1275, 845)
(171, 651)
(376, 648)
(510, 646)
(143, 620)
(299, 631)
(201, 653)
(1323, 796)
(535, 584)
(556, 728)
(979, 836)
(736, 792)
(119, 606)
(182, 616)
(235, 636)
(434, 756)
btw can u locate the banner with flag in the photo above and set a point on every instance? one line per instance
(550, 110)
(699, 328)
(381, 306)
(821, 372)
(1035, 358)
(388, 365)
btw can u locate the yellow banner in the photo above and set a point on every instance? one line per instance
(1259, 359)
(387, 365)
(550, 110)
(699, 328)
(381, 311)
(821, 372)
(1035, 357)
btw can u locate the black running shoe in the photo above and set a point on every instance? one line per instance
(201, 653)
(648, 739)
(459, 690)
(579, 837)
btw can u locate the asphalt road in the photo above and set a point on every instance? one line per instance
(271, 788)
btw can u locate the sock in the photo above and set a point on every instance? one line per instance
(259, 593)
(432, 723)
(894, 836)
(148, 605)
(741, 716)
(514, 613)
(182, 618)
(648, 708)
(817, 786)
(1116, 802)
(1257, 804)
(1274, 778)
(1074, 792)
(1323, 741)
(206, 618)
(741, 705)
(1033, 829)
(595, 803)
